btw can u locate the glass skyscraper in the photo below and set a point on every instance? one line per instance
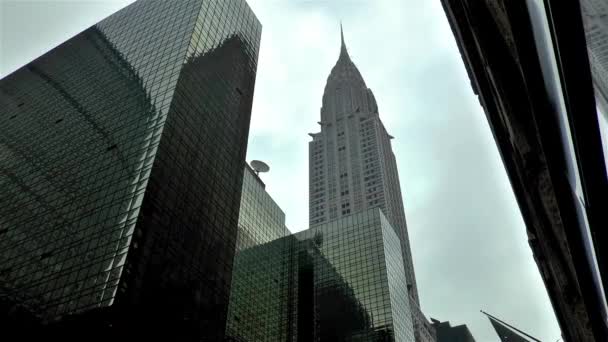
(355, 280)
(338, 281)
(260, 294)
(342, 280)
(121, 170)
(261, 219)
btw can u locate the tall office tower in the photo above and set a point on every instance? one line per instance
(339, 281)
(121, 170)
(261, 219)
(342, 280)
(351, 164)
(350, 283)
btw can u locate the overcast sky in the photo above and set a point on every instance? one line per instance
(468, 238)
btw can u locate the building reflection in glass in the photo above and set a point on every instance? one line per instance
(341, 281)
(359, 281)
(120, 174)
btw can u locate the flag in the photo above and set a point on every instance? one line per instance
(505, 333)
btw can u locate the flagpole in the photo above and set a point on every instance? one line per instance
(510, 326)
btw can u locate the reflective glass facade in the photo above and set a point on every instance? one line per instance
(121, 154)
(340, 281)
(359, 286)
(261, 220)
(259, 295)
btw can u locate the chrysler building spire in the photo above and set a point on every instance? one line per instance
(343, 52)
(352, 166)
(345, 90)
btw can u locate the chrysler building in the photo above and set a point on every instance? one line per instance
(351, 163)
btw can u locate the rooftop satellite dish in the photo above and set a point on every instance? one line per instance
(259, 166)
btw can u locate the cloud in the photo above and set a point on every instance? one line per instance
(45, 24)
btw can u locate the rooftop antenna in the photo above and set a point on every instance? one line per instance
(259, 166)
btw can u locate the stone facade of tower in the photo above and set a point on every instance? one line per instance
(351, 163)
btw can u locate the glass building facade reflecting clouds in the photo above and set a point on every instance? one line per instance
(259, 296)
(121, 171)
(351, 163)
(339, 281)
(359, 289)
